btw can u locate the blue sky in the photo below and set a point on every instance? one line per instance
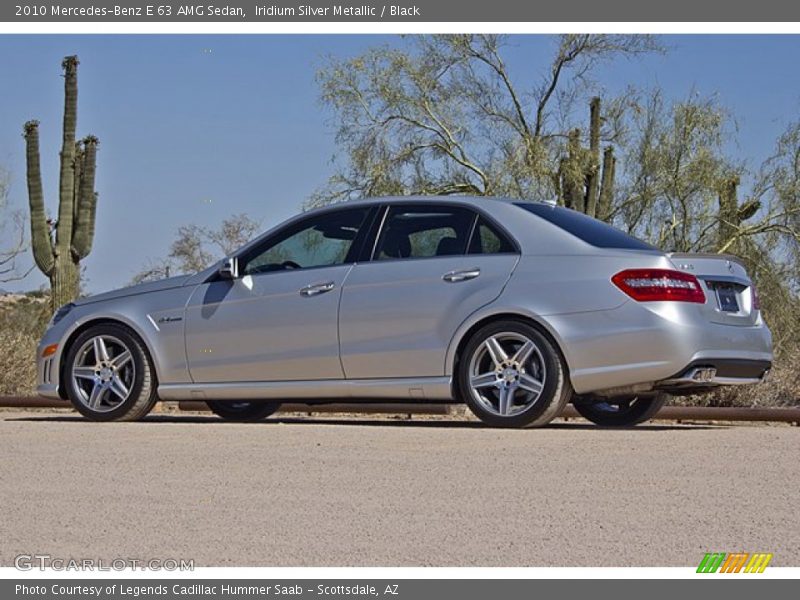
(195, 128)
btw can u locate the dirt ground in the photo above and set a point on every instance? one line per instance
(382, 491)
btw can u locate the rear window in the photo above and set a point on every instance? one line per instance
(591, 231)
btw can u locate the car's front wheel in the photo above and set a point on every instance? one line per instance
(511, 375)
(109, 375)
(243, 411)
(625, 411)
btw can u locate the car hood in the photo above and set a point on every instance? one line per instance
(142, 288)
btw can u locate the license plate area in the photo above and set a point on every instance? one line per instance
(727, 297)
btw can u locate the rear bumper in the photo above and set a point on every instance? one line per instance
(643, 344)
(710, 373)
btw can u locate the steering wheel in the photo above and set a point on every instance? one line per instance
(290, 264)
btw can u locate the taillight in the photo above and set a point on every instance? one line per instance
(756, 300)
(653, 285)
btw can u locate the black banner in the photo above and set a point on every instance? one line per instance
(386, 589)
(402, 11)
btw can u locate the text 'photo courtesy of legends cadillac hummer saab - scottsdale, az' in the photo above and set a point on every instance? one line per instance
(515, 308)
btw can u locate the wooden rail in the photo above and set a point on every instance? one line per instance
(670, 413)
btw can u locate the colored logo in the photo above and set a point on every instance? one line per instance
(737, 562)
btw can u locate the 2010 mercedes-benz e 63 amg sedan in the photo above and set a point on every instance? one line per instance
(515, 308)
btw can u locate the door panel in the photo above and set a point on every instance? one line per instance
(278, 326)
(397, 317)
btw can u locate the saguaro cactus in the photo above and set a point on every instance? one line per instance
(585, 184)
(607, 184)
(731, 214)
(593, 168)
(59, 246)
(573, 172)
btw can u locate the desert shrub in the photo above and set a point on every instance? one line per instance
(25, 314)
(17, 362)
(21, 325)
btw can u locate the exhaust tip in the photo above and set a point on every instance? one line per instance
(704, 374)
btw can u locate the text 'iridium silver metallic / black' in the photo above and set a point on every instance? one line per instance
(305, 10)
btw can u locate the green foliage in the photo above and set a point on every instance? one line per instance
(675, 167)
(444, 116)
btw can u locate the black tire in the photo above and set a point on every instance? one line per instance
(243, 412)
(141, 382)
(622, 412)
(555, 389)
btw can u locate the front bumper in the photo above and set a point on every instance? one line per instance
(48, 367)
(48, 390)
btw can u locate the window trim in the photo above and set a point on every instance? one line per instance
(477, 212)
(369, 249)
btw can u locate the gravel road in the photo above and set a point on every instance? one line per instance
(360, 492)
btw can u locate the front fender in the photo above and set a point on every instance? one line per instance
(156, 318)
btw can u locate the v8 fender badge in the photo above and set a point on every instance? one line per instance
(169, 319)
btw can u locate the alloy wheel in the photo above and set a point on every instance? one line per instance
(507, 374)
(103, 373)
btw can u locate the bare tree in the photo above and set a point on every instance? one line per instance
(12, 230)
(195, 247)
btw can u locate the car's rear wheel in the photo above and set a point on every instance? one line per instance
(511, 375)
(243, 412)
(624, 411)
(109, 375)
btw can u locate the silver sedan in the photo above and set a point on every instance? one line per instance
(515, 308)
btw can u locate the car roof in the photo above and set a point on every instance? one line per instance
(541, 239)
(452, 199)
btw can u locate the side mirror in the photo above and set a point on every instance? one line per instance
(229, 269)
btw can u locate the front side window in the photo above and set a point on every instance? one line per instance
(321, 241)
(424, 231)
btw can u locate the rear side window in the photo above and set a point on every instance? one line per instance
(487, 239)
(412, 231)
(592, 231)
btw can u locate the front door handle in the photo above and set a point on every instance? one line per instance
(317, 288)
(456, 276)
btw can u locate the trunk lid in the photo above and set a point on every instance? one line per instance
(728, 288)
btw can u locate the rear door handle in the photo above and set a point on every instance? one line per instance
(317, 288)
(456, 276)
